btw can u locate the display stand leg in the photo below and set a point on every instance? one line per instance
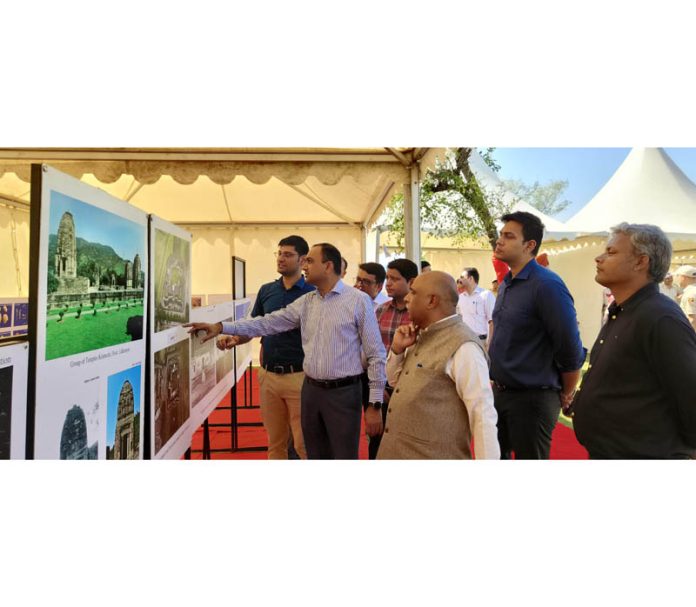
(206, 439)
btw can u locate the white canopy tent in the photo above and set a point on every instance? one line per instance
(648, 187)
(234, 201)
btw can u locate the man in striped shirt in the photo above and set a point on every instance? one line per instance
(337, 322)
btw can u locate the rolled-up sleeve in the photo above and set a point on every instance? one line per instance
(557, 311)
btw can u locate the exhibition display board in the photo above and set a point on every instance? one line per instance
(211, 369)
(171, 426)
(14, 362)
(243, 353)
(87, 299)
(14, 316)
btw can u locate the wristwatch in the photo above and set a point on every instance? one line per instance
(376, 405)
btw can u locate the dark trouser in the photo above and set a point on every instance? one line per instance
(526, 419)
(331, 421)
(373, 442)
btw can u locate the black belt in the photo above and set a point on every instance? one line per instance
(503, 388)
(283, 368)
(330, 384)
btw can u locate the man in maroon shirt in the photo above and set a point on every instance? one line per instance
(390, 316)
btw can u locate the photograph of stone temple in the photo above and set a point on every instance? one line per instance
(172, 280)
(73, 438)
(95, 277)
(172, 406)
(123, 414)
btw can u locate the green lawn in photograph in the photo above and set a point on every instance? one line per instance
(74, 335)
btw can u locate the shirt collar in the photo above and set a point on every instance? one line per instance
(339, 287)
(524, 273)
(299, 284)
(439, 321)
(641, 294)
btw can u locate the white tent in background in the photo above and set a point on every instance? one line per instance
(647, 188)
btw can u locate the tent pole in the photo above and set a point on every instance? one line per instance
(412, 215)
(363, 243)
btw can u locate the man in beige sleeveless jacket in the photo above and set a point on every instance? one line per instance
(442, 394)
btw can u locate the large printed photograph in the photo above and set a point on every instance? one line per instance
(123, 414)
(5, 411)
(70, 428)
(172, 257)
(203, 360)
(172, 406)
(95, 279)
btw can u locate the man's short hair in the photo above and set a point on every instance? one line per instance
(649, 240)
(344, 261)
(405, 267)
(425, 264)
(532, 228)
(297, 242)
(473, 272)
(332, 254)
(374, 269)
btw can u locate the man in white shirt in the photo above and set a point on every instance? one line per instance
(442, 393)
(686, 275)
(476, 304)
(668, 288)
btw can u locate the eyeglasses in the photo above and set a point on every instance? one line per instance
(284, 255)
(365, 281)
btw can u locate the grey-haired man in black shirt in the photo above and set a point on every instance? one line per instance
(638, 397)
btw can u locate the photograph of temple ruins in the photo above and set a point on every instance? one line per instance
(224, 362)
(5, 411)
(202, 368)
(171, 383)
(95, 279)
(172, 263)
(123, 414)
(78, 429)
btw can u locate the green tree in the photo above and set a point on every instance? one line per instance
(52, 280)
(453, 204)
(542, 197)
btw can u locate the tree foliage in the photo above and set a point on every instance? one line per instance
(453, 204)
(545, 198)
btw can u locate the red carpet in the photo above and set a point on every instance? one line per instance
(564, 445)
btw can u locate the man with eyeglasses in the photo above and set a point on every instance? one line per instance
(281, 375)
(370, 280)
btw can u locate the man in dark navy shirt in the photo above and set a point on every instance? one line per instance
(638, 396)
(535, 350)
(281, 376)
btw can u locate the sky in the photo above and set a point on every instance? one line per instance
(585, 169)
(95, 225)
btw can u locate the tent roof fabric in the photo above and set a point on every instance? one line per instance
(281, 185)
(648, 187)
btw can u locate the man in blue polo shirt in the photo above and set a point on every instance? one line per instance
(281, 375)
(536, 353)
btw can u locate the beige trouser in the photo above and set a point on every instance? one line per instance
(280, 411)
